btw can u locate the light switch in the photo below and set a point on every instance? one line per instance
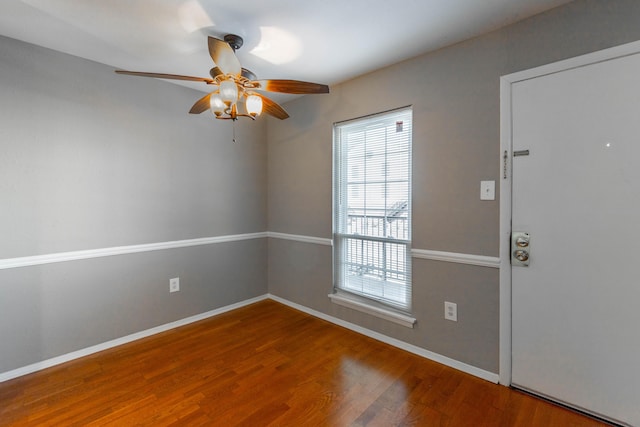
(487, 190)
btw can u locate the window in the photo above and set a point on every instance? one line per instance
(372, 209)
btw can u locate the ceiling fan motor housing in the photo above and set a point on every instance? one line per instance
(247, 74)
(234, 41)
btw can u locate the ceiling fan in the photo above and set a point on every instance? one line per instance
(236, 88)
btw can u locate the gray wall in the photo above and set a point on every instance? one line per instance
(455, 96)
(90, 160)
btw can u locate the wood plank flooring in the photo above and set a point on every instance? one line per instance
(266, 365)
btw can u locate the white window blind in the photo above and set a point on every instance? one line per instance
(372, 208)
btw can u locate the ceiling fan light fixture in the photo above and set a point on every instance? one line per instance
(253, 105)
(229, 91)
(217, 104)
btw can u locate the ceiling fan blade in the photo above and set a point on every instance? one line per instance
(291, 86)
(166, 76)
(224, 56)
(201, 105)
(272, 108)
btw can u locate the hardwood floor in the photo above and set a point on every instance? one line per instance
(266, 365)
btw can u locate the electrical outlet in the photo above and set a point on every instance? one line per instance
(451, 311)
(174, 284)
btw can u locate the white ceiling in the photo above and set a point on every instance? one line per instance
(323, 41)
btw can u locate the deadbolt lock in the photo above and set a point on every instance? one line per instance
(522, 241)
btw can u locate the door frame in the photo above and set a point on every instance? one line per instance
(506, 156)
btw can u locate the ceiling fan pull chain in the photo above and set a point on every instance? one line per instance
(234, 130)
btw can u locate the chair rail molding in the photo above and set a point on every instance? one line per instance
(122, 250)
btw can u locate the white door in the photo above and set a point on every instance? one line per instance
(576, 307)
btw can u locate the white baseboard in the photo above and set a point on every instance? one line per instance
(452, 363)
(5, 376)
(480, 373)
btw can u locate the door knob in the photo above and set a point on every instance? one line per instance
(521, 255)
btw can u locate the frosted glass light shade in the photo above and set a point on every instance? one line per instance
(254, 105)
(229, 91)
(217, 104)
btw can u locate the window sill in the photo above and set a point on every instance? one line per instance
(387, 314)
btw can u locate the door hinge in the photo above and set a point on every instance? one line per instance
(505, 159)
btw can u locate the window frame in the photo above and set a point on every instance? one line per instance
(341, 294)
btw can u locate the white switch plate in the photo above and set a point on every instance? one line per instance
(487, 190)
(451, 311)
(174, 284)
